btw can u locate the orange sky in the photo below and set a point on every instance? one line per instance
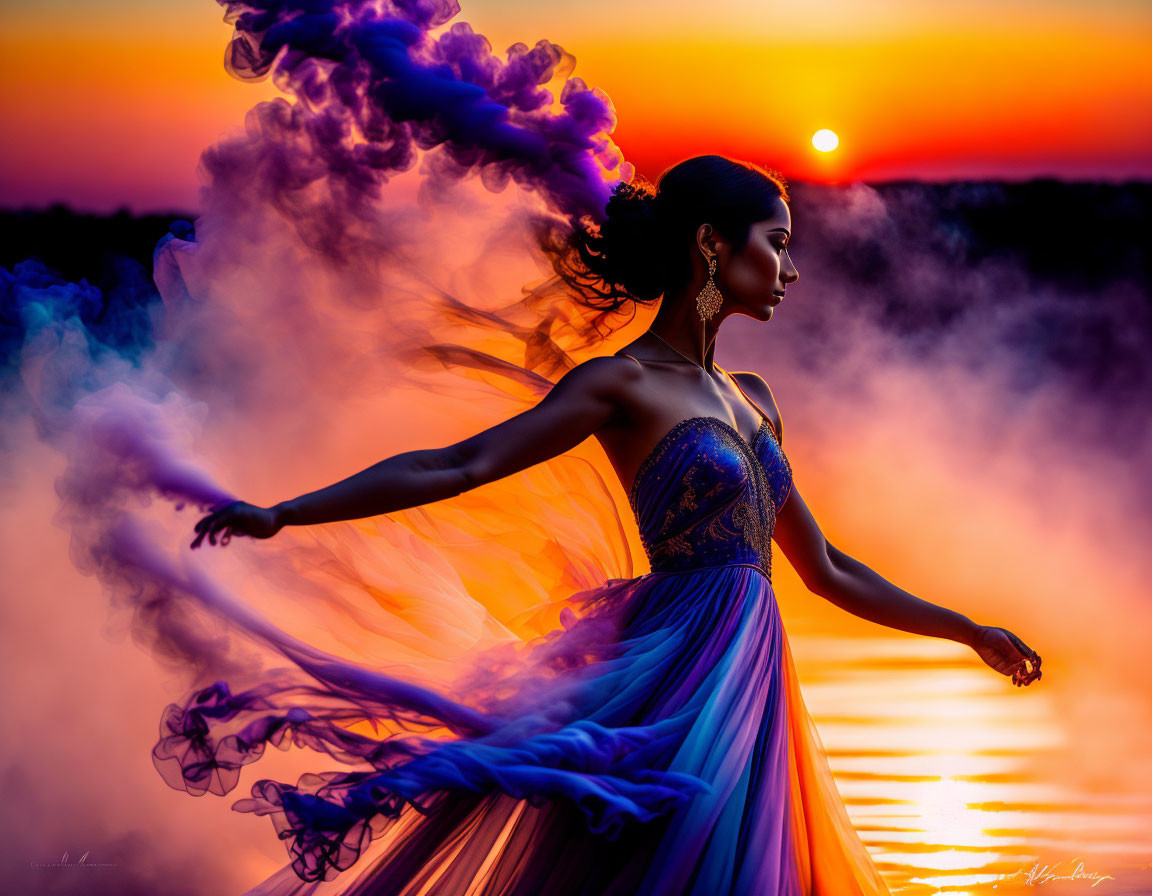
(115, 110)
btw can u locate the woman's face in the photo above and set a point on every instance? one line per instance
(753, 280)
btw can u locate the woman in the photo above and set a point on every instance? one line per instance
(660, 745)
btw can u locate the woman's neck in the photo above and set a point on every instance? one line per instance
(691, 338)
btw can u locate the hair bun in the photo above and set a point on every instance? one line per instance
(639, 247)
(631, 239)
(636, 201)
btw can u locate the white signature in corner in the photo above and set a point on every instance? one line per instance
(82, 862)
(1038, 874)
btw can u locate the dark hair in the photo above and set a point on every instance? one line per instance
(640, 248)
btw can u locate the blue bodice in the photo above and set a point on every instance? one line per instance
(704, 496)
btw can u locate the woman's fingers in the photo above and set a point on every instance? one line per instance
(212, 516)
(223, 527)
(1014, 649)
(214, 512)
(211, 525)
(235, 518)
(1008, 655)
(201, 530)
(1027, 669)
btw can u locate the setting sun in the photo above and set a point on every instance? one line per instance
(825, 140)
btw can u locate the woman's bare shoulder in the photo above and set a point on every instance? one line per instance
(761, 393)
(606, 369)
(611, 379)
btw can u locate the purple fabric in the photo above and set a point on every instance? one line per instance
(658, 736)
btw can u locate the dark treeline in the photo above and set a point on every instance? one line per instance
(77, 245)
(1059, 269)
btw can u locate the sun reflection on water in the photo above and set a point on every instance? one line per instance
(960, 783)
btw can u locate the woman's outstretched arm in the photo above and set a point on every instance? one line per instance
(852, 586)
(583, 400)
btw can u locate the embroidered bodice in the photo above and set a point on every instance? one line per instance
(704, 496)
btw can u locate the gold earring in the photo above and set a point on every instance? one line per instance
(709, 299)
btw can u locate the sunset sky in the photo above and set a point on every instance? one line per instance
(961, 374)
(111, 103)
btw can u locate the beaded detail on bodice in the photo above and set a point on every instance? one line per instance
(705, 496)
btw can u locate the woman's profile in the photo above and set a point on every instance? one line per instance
(662, 748)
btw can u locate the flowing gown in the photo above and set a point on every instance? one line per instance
(657, 743)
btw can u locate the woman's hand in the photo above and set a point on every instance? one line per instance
(1007, 654)
(237, 518)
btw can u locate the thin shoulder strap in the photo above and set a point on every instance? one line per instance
(626, 355)
(755, 404)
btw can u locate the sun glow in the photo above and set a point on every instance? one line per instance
(825, 140)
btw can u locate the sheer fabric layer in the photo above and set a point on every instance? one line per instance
(704, 685)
